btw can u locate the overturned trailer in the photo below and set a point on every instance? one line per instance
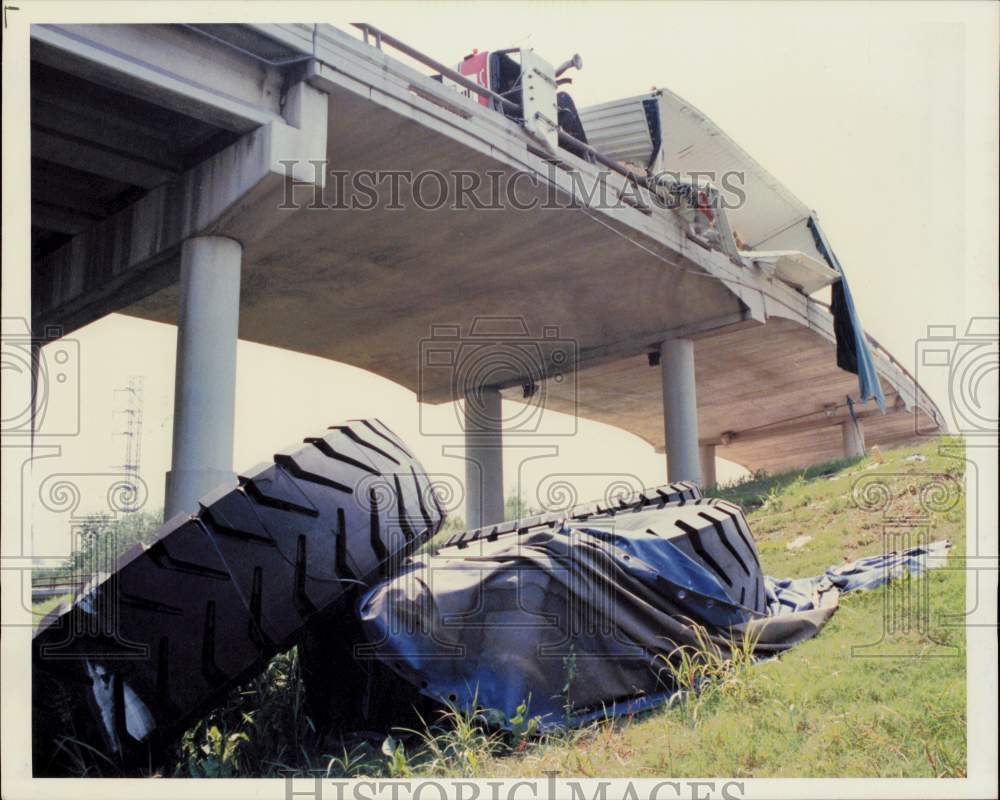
(569, 614)
(318, 547)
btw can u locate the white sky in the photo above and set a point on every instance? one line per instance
(881, 117)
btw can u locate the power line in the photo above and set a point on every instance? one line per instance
(132, 433)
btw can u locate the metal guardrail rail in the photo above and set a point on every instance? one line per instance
(381, 37)
(46, 588)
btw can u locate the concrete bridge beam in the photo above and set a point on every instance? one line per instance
(680, 410)
(205, 384)
(238, 192)
(484, 457)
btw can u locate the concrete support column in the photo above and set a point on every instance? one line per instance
(854, 438)
(205, 383)
(680, 410)
(707, 457)
(484, 458)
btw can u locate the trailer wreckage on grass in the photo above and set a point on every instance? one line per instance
(315, 549)
(318, 548)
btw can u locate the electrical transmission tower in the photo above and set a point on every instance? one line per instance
(132, 412)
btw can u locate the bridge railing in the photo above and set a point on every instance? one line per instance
(381, 37)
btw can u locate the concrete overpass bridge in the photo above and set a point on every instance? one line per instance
(195, 175)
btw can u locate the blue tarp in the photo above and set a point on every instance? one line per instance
(583, 617)
(788, 595)
(853, 353)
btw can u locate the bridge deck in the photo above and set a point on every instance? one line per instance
(366, 287)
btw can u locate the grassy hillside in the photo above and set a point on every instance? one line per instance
(859, 699)
(875, 694)
(865, 698)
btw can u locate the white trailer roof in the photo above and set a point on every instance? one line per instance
(771, 217)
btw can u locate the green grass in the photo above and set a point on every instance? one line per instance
(852, 702)
(43, 607)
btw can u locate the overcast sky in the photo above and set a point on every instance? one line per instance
(879, 117)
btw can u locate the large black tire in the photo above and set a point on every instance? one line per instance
(712, 532)
(157, 644)
(715, 534)
(346, 691)
(669, 494)
(343, 690)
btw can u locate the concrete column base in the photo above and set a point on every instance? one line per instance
(707, 458)
(484, 458)
(205, 383)
(853, 433)
(680, 410)
(185, 487)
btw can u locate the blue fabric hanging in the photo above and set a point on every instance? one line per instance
(853, 353)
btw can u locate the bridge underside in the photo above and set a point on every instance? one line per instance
(769, 397)
(369, 287)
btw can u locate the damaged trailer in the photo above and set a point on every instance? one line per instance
(318, 549)
(573, 621)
